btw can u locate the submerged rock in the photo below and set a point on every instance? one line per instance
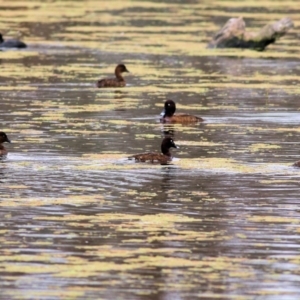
(234, 35)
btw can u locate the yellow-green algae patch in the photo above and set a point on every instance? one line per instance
(278, 181)
(42, 201)
(261, 147)
(16, 55)
(174, 37)
(15, 187)
(274, 219)
(225, 165)
(86, 132)
(147, 223)
(254, 129)
(105, 165)
(217, 125)
(142, 136)
(192, 108)
(18, 88)
(106, 161)
(108, 251)
(159, 219)
(199, 143)
(66, 293)
(103, 156)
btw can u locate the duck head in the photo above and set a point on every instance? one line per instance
(169, 109)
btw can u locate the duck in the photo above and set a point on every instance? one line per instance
(297, 164)
(119, 81)
(169, 116)
(163, 158)
(11, 43)
(3, 139)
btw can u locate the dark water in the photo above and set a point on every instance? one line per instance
(80, 221)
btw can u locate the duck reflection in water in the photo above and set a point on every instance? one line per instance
(120, 104)
(163, 158)
(168, 130)
(166, 183)
(118, 94)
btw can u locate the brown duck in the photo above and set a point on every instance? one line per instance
(163, 158)
(297, 164)
(3, 139)
(114, 82)
(169, 116)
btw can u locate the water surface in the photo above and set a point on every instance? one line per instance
(80, 221)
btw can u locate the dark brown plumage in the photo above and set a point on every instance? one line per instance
(3, 139)
(163, 158)
(169, 115)
(297, 164)
(119, 81)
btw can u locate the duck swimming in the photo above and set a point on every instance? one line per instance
(163, 158)
(297, 164)
(114, 82)
(168, 115)
(11, 43)
(3, 139)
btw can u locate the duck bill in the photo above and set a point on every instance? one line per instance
(126, 70)
(8, 140)
(163, 113)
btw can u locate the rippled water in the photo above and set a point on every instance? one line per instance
(80, 221)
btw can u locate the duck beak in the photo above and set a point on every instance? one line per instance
(163, 113)
(174, 146)
(8, 140)
(126, 70)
